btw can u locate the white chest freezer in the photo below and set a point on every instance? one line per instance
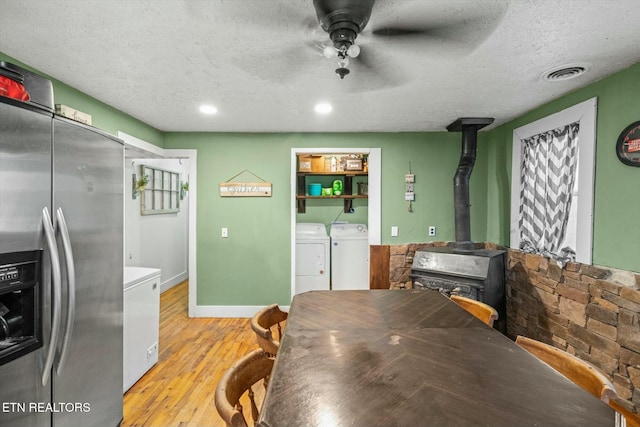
(141, 320)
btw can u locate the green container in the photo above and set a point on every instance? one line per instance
(337, 187)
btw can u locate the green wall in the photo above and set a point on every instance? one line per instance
(103, 116)
(616, 235)
(252, 266)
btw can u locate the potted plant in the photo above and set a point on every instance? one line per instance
(139, 185)
(184, 187)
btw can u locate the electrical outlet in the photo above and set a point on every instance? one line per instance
(224, 232)
(432, 230)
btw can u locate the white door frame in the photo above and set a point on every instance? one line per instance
(374, 163)
(145, 148)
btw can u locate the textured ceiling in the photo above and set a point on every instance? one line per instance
(258, 60)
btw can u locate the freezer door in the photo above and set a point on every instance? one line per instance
(25, 189)
(88, 188)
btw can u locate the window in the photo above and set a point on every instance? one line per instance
(161, 194)
(552, 184)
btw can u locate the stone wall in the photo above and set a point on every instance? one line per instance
(589, 311)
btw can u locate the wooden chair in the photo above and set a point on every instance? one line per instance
(263, 324)
(482, 311)
(575, 369)
(624, 417)
(240, 378)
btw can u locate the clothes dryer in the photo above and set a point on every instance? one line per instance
(349, 256)
(313, 261)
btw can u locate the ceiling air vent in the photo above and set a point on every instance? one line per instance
(565, 72)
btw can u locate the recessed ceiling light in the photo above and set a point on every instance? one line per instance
(565, 72)
(208, 109)
(323, 108)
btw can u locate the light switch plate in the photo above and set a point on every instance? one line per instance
(394, 231)
(224, 232)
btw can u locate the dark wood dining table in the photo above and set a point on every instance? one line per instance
(411, 358)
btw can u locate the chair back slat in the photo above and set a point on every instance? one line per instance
(263, 322)
(238, 380)
(575, 369)
(482, 311)
(626, 417)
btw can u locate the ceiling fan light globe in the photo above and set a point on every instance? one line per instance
(353, 51)
(329, 52)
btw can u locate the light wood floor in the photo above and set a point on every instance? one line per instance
(193, 355)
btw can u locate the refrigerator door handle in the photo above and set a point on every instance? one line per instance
(55, 293)
(71, 289)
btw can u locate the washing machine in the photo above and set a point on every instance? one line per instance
(313, 259)
(349, 256)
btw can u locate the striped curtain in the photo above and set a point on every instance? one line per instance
(549, 170)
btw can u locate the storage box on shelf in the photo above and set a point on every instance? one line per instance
(310, 163)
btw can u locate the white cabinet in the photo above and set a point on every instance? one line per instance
(141, 322)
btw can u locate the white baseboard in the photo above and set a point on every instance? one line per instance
(170, 283)
(230, 310)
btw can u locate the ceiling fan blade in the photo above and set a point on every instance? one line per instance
(396, 31)
(287, 65)
(460, 26)
(372, 71)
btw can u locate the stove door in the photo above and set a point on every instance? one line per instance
(446, 286)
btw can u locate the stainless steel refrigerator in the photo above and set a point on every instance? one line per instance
(61, 265)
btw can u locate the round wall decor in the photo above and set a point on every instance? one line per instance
(628, 145)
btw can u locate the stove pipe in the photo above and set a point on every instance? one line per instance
(469, 128)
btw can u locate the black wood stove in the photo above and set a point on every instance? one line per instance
(477, 274)
(460, 268)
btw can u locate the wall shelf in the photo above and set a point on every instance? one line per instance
(343, 196)
(347, 195)
(340, 173)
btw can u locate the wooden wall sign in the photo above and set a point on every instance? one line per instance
(245, 189)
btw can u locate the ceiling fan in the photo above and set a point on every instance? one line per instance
(343, 20)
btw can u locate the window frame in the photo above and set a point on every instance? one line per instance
(159, 179)
(584, 113)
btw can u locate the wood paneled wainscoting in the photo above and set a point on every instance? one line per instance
(193, 355)
(379, 266)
